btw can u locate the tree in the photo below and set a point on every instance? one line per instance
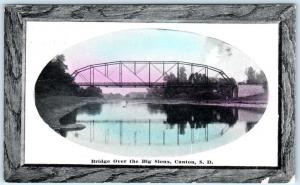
(182, 75)
(251, 75)
(55, 81)
(155, 92)
(261, 78)
(171, 78)
(193, 92)
(233, 80)
(256, 78)
(200, 78)
(91, 91)
(192, 78)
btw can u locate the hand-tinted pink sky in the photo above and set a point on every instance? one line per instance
(157, 45)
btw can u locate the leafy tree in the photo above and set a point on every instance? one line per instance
(171, 78)
(155, 92)
(261, 78)
(251, 75)
(91, 91)
(171, 91)
(182, 74)
(192, 78)
(197, 78)
(233, 80)
(256, 78)
(55, 81)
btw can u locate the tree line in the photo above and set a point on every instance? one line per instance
(55, 81)
(170, 91)
(254, 77)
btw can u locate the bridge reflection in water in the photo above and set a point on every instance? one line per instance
(163, 125)
(108, 133)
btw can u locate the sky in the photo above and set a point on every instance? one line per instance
(157, 45)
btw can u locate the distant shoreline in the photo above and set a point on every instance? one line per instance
(221, 103)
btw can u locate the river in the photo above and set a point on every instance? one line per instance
(149, 129)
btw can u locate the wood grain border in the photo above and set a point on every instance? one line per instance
(14, 56)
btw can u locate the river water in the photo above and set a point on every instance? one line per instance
(147, 129)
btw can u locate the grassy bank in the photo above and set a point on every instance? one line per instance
(252, 102)
(51, 109)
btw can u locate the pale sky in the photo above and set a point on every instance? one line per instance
(158, 44)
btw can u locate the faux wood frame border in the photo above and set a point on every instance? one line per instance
(14, 55)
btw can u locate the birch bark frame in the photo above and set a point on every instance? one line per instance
(14, 72)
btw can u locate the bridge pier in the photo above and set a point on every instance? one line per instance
(235, 92)
(229, 91)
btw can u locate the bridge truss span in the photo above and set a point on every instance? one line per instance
(147, 74)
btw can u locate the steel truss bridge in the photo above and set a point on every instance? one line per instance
(151, 74)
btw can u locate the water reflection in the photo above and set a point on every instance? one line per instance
(70, 118)
(250, 125)
(195, 116)
(91, 108)
(139, 124)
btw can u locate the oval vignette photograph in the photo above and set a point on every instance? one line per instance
(151, 92)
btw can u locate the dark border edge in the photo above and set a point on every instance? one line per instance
(287, 59)
(12, 89)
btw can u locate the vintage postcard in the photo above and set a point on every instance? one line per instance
(149, 93)
(157, 94)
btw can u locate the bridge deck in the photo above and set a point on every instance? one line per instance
(151, 84)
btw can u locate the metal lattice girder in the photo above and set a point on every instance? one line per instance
(136, 68)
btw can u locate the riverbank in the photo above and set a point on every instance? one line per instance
(53, 108)
(207, 103)
(251, 102)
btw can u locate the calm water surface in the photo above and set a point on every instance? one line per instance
(145, 129)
